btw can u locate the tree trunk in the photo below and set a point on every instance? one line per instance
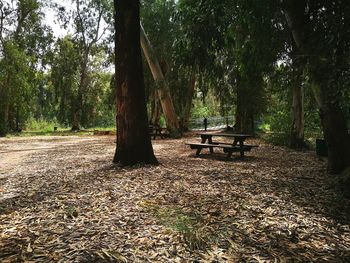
(162, 86)
(156, 109)
(133, 141)
(75, 120)
(332, 116)
(334, 129)
(4, 118)
(244, 116)
(83, 87)
(297, 132)
(188, 103)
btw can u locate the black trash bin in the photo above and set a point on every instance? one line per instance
(321, 148)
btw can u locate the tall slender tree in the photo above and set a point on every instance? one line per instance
(133, 141)
(162, 86)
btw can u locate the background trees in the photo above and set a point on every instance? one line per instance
(274, 66)
(327, 66)
(23, 45)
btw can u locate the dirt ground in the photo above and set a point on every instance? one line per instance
(62, 200)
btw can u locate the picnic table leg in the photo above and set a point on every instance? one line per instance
(199, 149)
(210, 141)
(241, 148)
(229, 154)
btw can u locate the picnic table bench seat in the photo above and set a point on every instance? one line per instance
(227, 148)
(221, 145)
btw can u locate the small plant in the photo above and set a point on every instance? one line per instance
(190, 226)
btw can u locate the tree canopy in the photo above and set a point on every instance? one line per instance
(274, 66)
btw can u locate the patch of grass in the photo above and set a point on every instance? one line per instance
(46, 128)
(41, 125)
(191, 226)
(108, 128)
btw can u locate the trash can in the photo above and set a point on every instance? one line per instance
(321, 147)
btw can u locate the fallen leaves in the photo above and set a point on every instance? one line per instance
(63, 201)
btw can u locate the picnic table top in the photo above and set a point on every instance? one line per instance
(232, 135)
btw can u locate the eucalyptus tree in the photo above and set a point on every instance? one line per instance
(162, 88)
(90, 22)
(157, 47)
(321, 32)
(24, 40)
(133, 141)
(164, 25)
(65, 79)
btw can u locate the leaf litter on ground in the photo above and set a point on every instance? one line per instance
(61, 200)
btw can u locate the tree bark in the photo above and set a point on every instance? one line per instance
(4, 114)
(156, 109)
(298, 120)
(244, 117)
(75, 120)
(332, 117)
(133, 141)
(171, 117)
(188, 102)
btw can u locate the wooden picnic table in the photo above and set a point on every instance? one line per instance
(156, 130)
(237, 144)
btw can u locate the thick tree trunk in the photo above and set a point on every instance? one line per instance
(298, 120)
(133, 141)
(188, 103)
(332, 116)
(335, 133)
(162, 86)
(75, 121)
(244, 116)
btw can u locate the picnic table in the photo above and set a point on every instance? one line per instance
(237, 144)
(156, 130)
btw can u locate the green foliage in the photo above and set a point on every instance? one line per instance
(24, 43)
(64, 76)
(16, 85)
(41, 125)
(278, 117)
(210, 106)
(95, 105)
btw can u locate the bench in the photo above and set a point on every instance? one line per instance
(227, 147)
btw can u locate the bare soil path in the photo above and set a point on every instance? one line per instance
(62, 200)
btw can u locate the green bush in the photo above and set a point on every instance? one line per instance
(40, 125)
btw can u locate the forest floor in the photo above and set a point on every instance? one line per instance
(62, 200)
